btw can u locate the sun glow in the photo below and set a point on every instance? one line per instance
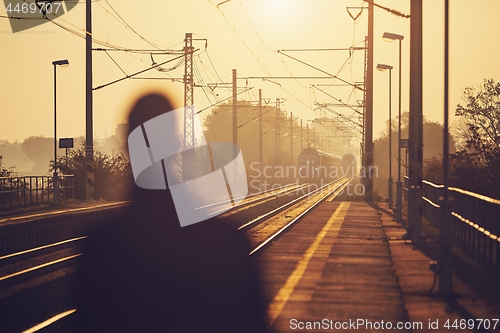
(279, 5)
(276, 19)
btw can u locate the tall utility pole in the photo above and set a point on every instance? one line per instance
(415, 135)
(307, 136)
(235, 109)
(399, 185)
(291, 138)
(189, 158)
(369, 108)
(260, 133)
(189, 136)
(363, 116)
(446, 227)
(277, 135)
(55, 179)
(89, 138)
(301, 135)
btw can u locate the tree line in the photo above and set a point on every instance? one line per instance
(112, 172)
(219, 123)
(475, 166)
(474, 145)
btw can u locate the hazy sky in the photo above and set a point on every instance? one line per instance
(241, 34)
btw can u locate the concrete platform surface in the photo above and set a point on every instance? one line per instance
(345, 268)
(26, 214)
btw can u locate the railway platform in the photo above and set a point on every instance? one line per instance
(345, 267)
(27, 214)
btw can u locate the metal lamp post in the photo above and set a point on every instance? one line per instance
(383, 67)
(399, 187)
(62, 63)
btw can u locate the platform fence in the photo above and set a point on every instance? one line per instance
(476, 222)
(33, 190)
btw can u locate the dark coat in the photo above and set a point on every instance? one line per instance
(145, 273)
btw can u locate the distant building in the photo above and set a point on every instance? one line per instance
(121, 132)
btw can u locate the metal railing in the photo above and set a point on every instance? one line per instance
(476, 222)
(31, 190)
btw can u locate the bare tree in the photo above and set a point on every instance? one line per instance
(481, 111)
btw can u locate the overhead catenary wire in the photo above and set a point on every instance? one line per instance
(116, 63)
(141, 51)
(223, 100)
(114, 48)
(213, 73)
(265, 59)
(392, 11)
(325, 72)
(211, 63)
(130, 27)
(349, 60)
(109, 46)
(201, 81)
(254, 118)
(166, 70)
(354, 125)
(252, 52)
(137, 73)
(351, 56)
(338, 100)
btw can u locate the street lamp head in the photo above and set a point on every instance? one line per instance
(390, 37)
(62, 63)
(383, 67)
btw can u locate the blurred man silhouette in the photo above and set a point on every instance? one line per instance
(145, 273)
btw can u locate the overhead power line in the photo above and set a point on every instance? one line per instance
(392, 11)
(225, 99)
(137, 73)
(271, 53)
(133, 30)
(353, 48)
(322, 71)
(142, 51)
(338, 100)
(110, 46)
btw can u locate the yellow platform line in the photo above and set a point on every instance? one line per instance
(283, 295)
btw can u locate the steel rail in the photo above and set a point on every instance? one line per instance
(283, 189)
(11, 255)
(256, 200)
(338, 188)
(34, 268)
(276, 211)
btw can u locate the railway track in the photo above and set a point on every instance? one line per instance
(16, 268)
(266, 229)
(21, 266)
(226, 208)
(28, 278)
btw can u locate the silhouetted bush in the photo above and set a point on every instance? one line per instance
(113, 178)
